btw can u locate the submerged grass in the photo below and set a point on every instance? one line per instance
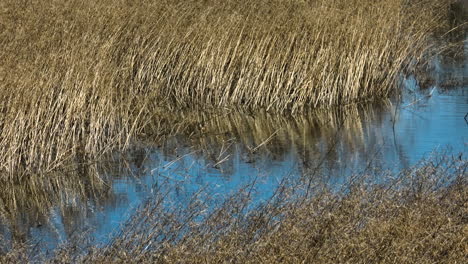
(82, 78)
(415, 216)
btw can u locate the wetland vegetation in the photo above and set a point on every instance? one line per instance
(89, 91)
(85, 78)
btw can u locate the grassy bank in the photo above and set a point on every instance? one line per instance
(415, 216)
(81, 78)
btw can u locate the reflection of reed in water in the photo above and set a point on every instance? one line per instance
(336, 134)
(71, 195)
(332, 136)
(58, 202)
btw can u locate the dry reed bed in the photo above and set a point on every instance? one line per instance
(416, 216)
(87, 77)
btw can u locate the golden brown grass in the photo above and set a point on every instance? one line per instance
(416, 216)
(84, 77)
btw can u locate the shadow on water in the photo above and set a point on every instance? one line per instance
(222, 152)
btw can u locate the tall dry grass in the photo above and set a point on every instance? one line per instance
(83, 77)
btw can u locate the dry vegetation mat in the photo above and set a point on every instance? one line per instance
(418, 215)
(84, 77)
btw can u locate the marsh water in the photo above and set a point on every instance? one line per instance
(233, 149)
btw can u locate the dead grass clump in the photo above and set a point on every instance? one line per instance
(86, 77)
